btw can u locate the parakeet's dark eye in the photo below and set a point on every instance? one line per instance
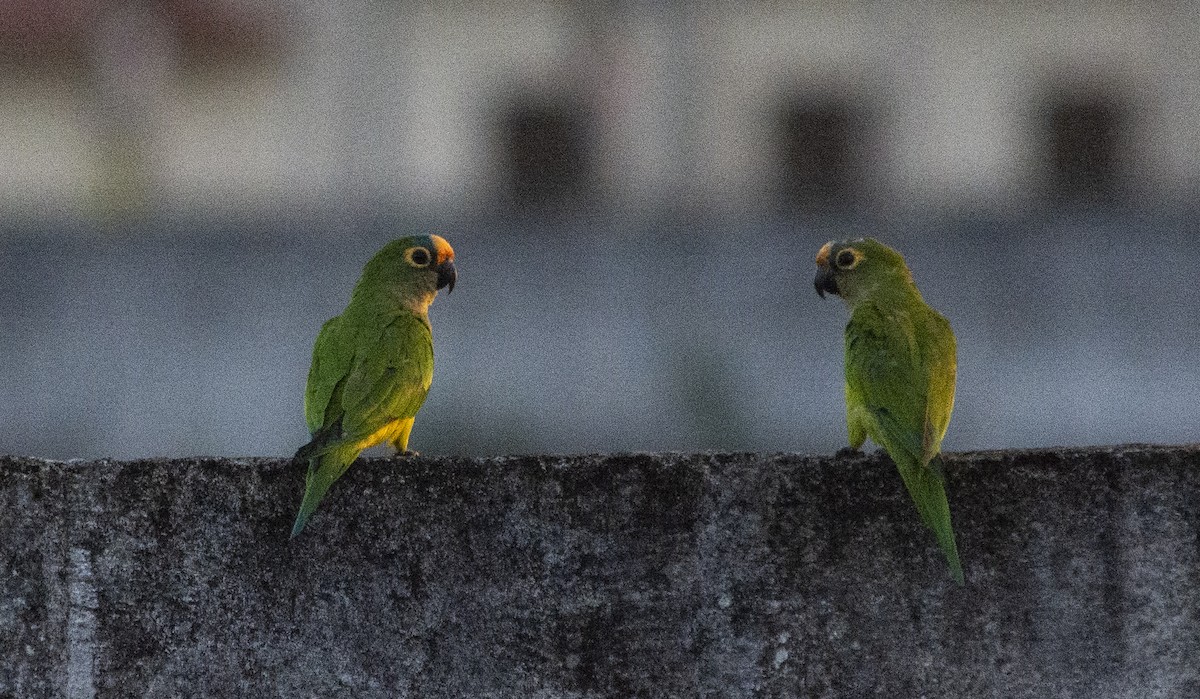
(847, 259)
(417, 257)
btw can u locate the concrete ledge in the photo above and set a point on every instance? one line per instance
(642, 575)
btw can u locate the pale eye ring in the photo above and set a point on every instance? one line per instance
(846, 259)
(417, 257)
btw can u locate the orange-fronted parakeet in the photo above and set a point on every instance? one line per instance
(900, 371)
(373, 364)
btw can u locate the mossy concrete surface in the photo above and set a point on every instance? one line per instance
(625, 575)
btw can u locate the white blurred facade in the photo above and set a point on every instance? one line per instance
(233, 106)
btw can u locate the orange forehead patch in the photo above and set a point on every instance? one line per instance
(441, 249)
(823, 254)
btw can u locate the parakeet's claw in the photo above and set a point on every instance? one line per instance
(847, 452)
(407, 453)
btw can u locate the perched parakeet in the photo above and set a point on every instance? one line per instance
(373, 364)
(900, 371)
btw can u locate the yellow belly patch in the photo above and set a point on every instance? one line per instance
(394, 433)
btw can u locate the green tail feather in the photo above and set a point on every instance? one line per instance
(314, 491)
(323, 470)
(927, 487)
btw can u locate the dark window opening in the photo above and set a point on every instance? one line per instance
(222, 34)
(1085, 156)
(817, 154)
(545, 152)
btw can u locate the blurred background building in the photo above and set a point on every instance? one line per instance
(636, 191)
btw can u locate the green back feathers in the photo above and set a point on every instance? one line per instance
(363, 375)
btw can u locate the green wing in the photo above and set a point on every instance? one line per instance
(940, 354)
(885, 381)
(333, 354)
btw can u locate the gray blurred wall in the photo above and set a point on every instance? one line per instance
(246, 106)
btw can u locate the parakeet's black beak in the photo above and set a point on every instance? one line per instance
(825, 282)
(447, 275)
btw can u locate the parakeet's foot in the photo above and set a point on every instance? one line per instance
(407, 453)
(847, 452)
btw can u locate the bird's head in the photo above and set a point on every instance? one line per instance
(413, 269)
(857, 269)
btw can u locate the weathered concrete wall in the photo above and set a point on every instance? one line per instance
(602, 576)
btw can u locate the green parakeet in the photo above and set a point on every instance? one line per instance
(900, 372)
(373, 364)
